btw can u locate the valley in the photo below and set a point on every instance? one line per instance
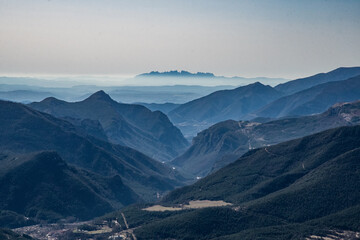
(110, 170)
(179, 120)
(226, 141)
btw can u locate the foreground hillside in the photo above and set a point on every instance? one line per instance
(10, 235)
(42, 186)
(130, 125)
(226, 141)
(304, 187)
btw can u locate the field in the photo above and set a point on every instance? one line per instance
(192, 205)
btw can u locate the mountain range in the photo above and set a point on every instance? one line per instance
(24, 130)
(283, 159)
(176, 73)
(26, 90)
(130, 125)
(303, 96)
(205, 78)
(224, 142)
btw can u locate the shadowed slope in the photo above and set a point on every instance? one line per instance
(127, 124)
(25, 130)
(43, 187)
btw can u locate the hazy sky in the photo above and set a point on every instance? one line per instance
(227, 37)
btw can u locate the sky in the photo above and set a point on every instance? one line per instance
(271, 38)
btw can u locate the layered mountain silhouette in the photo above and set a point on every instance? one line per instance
(42, 186)
(251, 101)
(130, 125)
(300, 84)
(298, 188)
(224, 142)
(24, 130)
(222, 105)
(313, 100)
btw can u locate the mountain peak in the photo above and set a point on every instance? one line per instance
(100, 96)
(256, 84)
(52, 101)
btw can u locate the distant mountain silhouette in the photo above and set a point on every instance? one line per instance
(338, 74)
(313, 100)
(127, 124)
(226, 141)
(223, 105)
(234, 80)
(176, 73)
(299, 188)
(42, 186)
(24, 130)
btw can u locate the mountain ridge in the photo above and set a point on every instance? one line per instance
(176, 73)
(300, 84)
(312, 100)
(123, 123)
(223, 105)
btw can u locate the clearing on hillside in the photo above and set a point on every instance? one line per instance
(192, 205)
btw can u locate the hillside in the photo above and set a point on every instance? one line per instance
(222, 105)
(300, 84)
(226, 141)
(42, 186)
(313, 100)
(267, 164)
(10, 235)
(24, 130)
(123, 123)
(304, 187)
